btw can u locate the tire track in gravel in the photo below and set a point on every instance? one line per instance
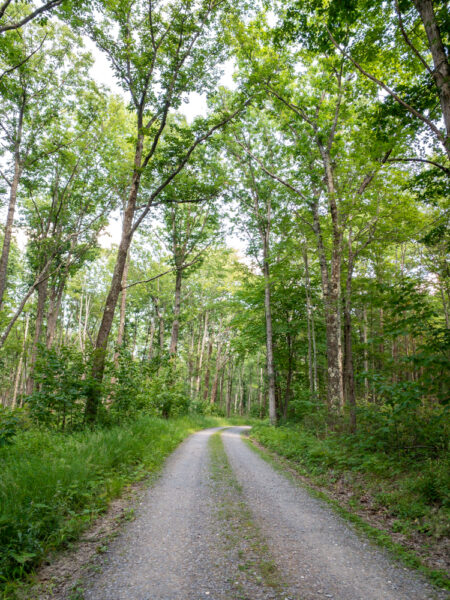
(318, 552)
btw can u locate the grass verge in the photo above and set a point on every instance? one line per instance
(53, 485)
(365, 482)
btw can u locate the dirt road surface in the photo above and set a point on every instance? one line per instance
(178, 548)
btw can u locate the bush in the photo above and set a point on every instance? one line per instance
(152, 387)
(62, 382)
(11, 422)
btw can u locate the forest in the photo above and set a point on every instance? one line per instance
(217, 212)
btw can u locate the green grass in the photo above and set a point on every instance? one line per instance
(415, 492)
(52, 485)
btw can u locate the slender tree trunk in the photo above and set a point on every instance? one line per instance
(366, 354)
(190, 360)
(135, 334)
(216, 373)
(331, 298)
(202, 351)
(40, 312)
(20, 365)
(87, 310)
(151, 340)
(54, 310)
(99, 358)
(4, 257)
(123, 309)
(237, 392)
(208, 370)
(269, 333)
(221, 386)
(261, 395)
(229, 389)
(176, 313)
(441, 72)
(348, 355)
(312, 388)
(287, 395)
(314, 349)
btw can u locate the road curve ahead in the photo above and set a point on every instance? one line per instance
(177, 548)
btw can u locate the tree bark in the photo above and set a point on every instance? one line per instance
(366, 354)
(123, 309)
(53, 313)
(261, 393)
(151, 340)
(40, 312)
(202, 351)
(312, 388)
(229, 389)
(331, 299)
(208, 370)
(269, 333)
(176, 312)
(99, 358)
(4, 258)
(348, 354)
(441, 72)
(20, 365)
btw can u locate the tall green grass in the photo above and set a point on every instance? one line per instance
(53, 484)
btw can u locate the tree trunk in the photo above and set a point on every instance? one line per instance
(20, 365)
(40, 312)
(216, 373)
(123, 309)
(202, 351)
(208, 370)
(441, 72)
(269, 333)
(348, 355)
(190, 360)
(312, 388)
(176, 313)
(151, 340)
(332, 309)
(53, 312)
(287, 395)
(229, 389)
(4, 258)
(98, 363)
(366, 354)
(261, 392)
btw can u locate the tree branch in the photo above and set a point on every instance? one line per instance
(44, 8)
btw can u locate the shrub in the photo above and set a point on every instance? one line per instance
(11, 422)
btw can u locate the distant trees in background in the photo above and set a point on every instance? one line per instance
(329, 160)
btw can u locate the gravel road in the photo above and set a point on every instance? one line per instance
(174, 550)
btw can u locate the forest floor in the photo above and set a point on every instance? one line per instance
(222, 523)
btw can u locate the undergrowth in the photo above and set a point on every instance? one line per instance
(53, 484)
